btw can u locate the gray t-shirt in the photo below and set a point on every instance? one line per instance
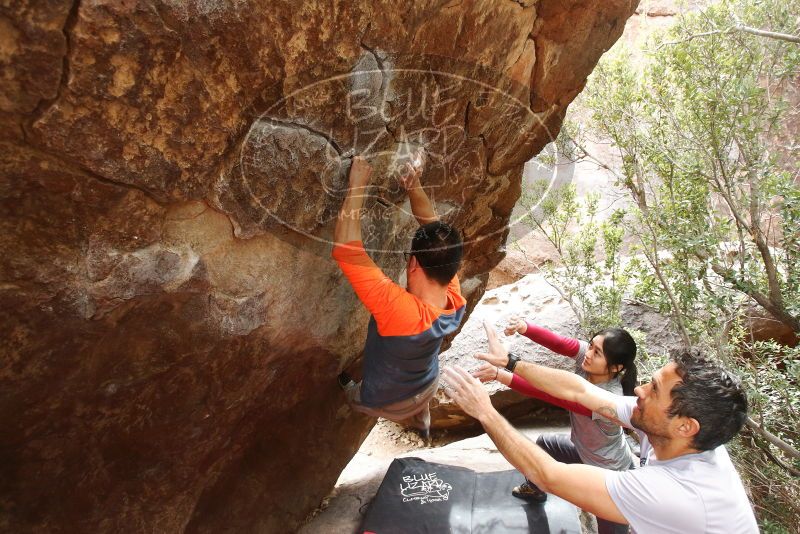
(693, 493)
(598, 441)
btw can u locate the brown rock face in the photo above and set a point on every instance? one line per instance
(171, 321)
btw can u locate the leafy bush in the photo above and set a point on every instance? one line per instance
(593, 289)
(702, 127)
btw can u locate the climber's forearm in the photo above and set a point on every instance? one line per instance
(348, 223)
(421, 205)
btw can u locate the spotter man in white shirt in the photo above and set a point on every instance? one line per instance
(683, 417)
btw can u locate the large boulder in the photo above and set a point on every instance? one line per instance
(169, 176)
(762, 326)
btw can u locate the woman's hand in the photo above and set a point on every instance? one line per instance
(498, 353)
(516, 325)
(485, 373)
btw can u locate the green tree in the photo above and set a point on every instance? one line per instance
(591, 277)
(703, 128)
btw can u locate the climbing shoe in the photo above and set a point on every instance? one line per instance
(529, 492)
(344, 380)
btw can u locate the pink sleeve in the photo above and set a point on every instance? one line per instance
(520, 385)
(566, 346)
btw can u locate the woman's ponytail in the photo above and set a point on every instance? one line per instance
(629, 379)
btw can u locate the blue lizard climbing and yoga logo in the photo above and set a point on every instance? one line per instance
(424, 488)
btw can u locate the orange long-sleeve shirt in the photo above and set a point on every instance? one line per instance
(404, 333)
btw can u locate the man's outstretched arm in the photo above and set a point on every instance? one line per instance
(561, 384)
(570, 387)
(348, 223)
(582, 485)
(421, 205)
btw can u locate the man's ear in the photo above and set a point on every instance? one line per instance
(412, 264)
(687, 427)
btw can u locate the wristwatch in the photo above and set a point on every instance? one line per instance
(512, 362)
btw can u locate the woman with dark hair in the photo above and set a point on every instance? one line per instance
(606, 361)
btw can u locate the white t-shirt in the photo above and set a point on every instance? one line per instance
(699, 493)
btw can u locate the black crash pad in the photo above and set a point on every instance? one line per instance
(421, 497)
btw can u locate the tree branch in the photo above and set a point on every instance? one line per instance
(771, 35)
(740, 28)
(791, 470)
(772, 438)
(779, 313)
(567, 296)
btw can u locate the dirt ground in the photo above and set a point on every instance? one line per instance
(389, 439)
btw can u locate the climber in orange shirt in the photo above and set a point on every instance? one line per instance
(400, 364)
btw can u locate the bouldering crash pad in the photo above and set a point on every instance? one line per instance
(422, 497)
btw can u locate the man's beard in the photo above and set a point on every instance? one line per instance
(654, 433)
(636, 420)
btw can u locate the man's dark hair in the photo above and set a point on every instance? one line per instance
(438, 249)
(709, 394)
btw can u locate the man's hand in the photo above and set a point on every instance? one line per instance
(467, 392)
(360, 173)
(412, 172)
(421, 205)
(516, 325)
(498, 353)
(485, 373)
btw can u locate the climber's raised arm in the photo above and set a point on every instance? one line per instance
(421, 205)
(348, 223)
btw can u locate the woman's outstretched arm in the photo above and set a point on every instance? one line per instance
(559, 344)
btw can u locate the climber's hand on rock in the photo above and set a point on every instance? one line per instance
(485, 373)
(360, 173)
(410, 177)
(412, 171)
(467, 392)
(516, 325)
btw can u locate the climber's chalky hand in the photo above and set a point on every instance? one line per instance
(360, 173)
(412, 171)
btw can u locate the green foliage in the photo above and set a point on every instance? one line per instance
(702, 130)
(695, 129)
(591, 277)
(647, 363)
